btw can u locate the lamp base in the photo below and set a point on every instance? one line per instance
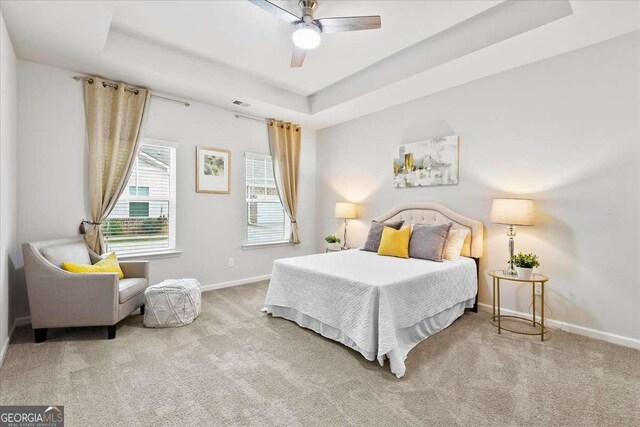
(510, 271)
(344, 238)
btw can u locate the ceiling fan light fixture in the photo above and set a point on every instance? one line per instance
(306, 36)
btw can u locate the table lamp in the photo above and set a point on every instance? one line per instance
(346, 211)
(511, 212)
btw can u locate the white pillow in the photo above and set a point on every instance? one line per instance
(453, 244)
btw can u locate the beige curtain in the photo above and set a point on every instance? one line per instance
(114, 118)
(284, 144)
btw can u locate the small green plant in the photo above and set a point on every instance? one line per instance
(332, 239)
(526, 260)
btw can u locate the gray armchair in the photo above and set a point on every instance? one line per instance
(61, 299)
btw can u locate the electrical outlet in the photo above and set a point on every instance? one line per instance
(538, 289)
(230, 262)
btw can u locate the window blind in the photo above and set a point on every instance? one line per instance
(267, 221)
(143, 219)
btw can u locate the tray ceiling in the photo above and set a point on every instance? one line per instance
(216, 52)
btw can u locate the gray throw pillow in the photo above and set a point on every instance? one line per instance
(375, 234)
(427, 241)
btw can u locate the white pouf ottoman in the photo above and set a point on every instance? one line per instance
(172, 303)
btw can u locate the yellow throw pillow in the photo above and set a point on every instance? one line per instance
(108, 264)
(395, 242)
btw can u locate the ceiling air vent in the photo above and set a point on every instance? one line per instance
(240, 103)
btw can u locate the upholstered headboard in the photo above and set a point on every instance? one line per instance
(435, 213)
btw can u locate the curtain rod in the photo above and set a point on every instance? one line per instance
(132, 89)
(257, 119)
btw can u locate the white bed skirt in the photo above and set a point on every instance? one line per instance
(407, 337)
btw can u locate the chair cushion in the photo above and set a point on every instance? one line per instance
(129, 288)
(76, 253)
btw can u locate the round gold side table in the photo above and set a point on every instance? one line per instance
(495, 320)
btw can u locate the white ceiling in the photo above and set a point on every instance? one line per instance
(219, 51)
(243, 36)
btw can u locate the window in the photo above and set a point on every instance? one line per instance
(139, 209)
(143, 219)
(138, 191)
(267, 221)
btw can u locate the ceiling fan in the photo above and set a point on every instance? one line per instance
(308, 30)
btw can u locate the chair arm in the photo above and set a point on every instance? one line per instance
(58, 298)
(137, 269)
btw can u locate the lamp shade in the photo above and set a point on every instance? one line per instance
(512, 211)
(345, 210)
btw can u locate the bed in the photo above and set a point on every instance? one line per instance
(380, 306)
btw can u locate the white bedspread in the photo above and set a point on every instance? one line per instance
(371, 299)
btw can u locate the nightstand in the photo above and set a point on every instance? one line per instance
(495, 320)
(336, 250)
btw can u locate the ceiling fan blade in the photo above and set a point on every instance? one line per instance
(297, 57)
(349, 23)
(276, 10)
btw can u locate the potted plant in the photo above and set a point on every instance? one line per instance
(525, 263)
(333, 243)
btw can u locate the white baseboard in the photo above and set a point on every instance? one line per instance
(574, 329)
(238, 282)
(18, 321)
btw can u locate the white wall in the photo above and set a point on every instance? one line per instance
(210, 228)
(564, 132)
(8, 137)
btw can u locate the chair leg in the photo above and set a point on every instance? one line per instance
(142, 309)
(111, 332)
(40, 334)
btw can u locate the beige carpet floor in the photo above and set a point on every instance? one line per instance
(236, 366)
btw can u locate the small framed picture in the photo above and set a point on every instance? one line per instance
(213, 170)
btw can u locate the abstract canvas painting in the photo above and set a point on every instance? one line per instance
(427, 163)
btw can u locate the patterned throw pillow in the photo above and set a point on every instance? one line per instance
(454, 243)
(375, 234)
(427, 241)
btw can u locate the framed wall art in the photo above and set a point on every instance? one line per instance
(427, 163)
(213, 170)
